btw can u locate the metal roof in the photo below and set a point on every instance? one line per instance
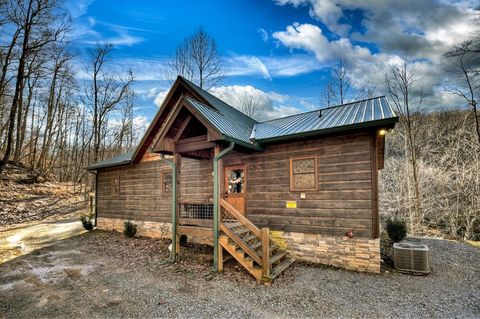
(222, 107)
(241, 129)
(122, 159)
(370, 112)
(231, 127)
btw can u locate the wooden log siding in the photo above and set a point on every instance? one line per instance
(141, 196)
(343, 201)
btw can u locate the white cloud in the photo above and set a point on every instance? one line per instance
(263, 34)
(245, 65)
(160, 97)
(121, 39)
(268, 67)
(78, 8)
(272, 104)
(421, 31)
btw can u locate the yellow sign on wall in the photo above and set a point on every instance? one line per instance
(291, 204)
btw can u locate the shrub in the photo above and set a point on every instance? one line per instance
(88, 221)
(130, 229)
(396, 229)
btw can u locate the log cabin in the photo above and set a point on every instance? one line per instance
(299, 187)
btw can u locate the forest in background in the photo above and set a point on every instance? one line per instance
(56, 123)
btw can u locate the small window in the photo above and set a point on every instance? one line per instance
(236, 181)
(303, 173)
(116, 186)
(166, 182)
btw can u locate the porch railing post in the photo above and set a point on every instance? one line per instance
(216, 200)
(266, 251)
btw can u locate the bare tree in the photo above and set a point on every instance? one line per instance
(104, 95)
(251, 104)
(34, 18)
(407, 100)
(465, 58)
(338, 89)
(197, 59)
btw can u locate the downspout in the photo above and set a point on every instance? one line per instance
(172, 164)
(215, 203)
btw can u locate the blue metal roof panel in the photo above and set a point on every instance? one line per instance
(223, 123)
(360, 112)
(122, 159)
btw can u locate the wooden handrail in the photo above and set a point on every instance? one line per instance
(239, 216)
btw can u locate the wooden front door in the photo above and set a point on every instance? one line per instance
(235, 186)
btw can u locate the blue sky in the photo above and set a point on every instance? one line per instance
(284, 49)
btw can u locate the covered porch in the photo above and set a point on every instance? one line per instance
(208, 198)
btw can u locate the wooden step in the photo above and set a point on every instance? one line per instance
(258, 248)
(232, 225)
(277, 270)
(257, 245)
(250, 238)
(241, 231)
(279, 255)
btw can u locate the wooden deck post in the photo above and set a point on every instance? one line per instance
(265, 251)
(220, 258)
(177, 159)
(217, 162)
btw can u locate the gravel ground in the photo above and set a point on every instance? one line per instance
(101, 274)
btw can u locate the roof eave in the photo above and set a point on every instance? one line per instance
(344, 128)
(255, 146)
(96, 167)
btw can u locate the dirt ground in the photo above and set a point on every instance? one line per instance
(21, 239)
(23, 201)
(104, 275)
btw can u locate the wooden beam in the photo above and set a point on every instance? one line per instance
(168, 123)
(195, 231)
(193, 144)
(182, 127)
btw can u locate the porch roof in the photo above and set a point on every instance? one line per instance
(122, 159)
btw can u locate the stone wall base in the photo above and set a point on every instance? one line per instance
(359, 254)
(146, 229)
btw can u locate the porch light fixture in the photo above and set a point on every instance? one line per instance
(382, 132)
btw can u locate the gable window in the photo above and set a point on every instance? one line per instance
(166, 182)
(115, 186)
(303, 173)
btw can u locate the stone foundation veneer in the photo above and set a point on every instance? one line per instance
(359, 254)
(146, 229)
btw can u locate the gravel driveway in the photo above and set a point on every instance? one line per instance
(100, 274)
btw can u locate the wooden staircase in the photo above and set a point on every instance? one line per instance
(250, 246)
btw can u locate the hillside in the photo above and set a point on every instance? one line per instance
(23, 201)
